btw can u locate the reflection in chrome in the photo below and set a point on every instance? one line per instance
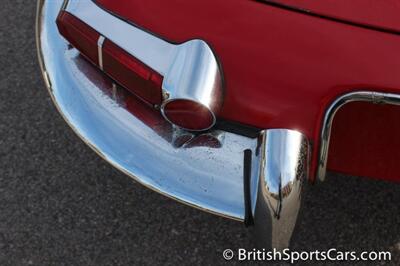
(358, 96)
(150, 117)
(283, 158)
(184, 139)
(190, 69)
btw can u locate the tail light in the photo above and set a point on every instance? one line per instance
(185, 84)
(188, 114)
(131, 73)
(79, 35)
(114, 61)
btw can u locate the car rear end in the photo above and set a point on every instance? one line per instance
(227, 108)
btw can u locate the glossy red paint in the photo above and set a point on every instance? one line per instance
(374, 13)
(282, 69)
(366, 140)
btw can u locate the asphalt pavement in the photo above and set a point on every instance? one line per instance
(60, 204)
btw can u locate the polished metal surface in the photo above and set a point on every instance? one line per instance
(194, 75)
(100, 43)
(358, 96)
(277, 185)
(190, 69)
(202, 170)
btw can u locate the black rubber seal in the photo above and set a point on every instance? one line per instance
(237, 128)
(248, 216)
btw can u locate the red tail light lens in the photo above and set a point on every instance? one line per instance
(188, 115)
(79, 35)
(131, 73)
(117, 63)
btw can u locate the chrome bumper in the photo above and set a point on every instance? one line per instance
(224, 173)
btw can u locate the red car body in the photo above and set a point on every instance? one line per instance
(283, 66)
(229, 107)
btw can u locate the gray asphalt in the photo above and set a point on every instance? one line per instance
(60, 204)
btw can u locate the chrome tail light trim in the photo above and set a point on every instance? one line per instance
(100, 43)
(191, 70)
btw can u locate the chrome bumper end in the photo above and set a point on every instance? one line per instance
(283, 159)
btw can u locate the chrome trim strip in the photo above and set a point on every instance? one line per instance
(64, 5)
(100, 43)
(114, 91)
(191, 70)
(283, 158)
(153, 51)
(202, 172)
(358, 96)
